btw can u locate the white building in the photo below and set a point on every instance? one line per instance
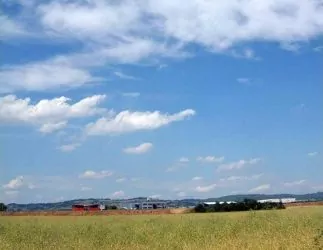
(214, 202)
(283, 200)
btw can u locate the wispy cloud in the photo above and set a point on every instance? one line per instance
(290, 46)
(243, 80)
(125, 76)
(242, 178)
(294, 183)
(69, 147)
(260, 188)
(210, 159)
(140, 149)
(238, 164)
(205, 189)
(183, 159)
(312, 154)
(197, 178)
(128, 121)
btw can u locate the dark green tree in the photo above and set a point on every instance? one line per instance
(3, 207)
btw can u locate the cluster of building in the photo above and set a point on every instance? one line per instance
(148, 204)
(158, 204)
(283, 200)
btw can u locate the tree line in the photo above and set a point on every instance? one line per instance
(3, 207)
(245, 205)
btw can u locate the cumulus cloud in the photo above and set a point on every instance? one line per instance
(119, 193)
(260, 188)
(205, 189)
(15, 183)
(48, 114)
(238, 164)
(210, 159)
(90, 174)
(211, 24)
(140, 149)
(18, 183)
(127, 121)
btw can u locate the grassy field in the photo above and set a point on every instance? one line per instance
(293, 228)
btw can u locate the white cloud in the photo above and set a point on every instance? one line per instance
(119, 193)
(243, 178)
(140, 149)
(41, 76)
(210, 159)
(294, 183)
(124, 76)
(10, 28)
(69, 147)
(218, 25)
(245, 54)
(260, 188)
(127, 121)
(312, 154)
(205, 189)
(90, 174)
(48, 114)
(238, 164)
(183, 159)
(181, 194)
(16, 183)
(131, 94)
(48, 128)
(121, 180)
(197, 178)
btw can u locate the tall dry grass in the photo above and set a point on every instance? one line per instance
(293, 228)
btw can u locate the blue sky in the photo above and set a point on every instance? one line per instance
(151, 98)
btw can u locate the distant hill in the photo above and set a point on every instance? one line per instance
(66, 205)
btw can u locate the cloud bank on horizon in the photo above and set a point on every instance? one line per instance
(175, 99)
